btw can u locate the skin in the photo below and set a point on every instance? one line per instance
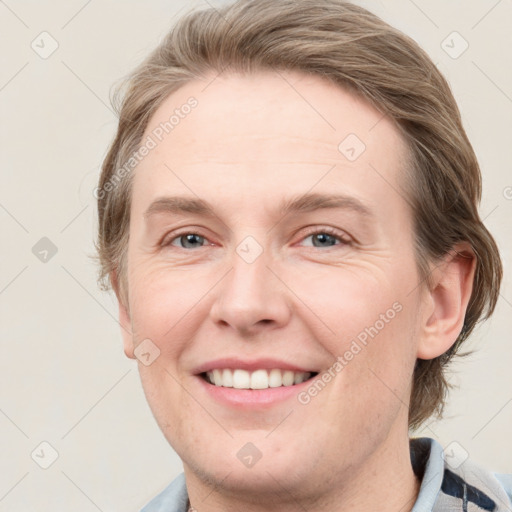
(250, 144)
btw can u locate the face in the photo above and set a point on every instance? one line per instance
(271, 247)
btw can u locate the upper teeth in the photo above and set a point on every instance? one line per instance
(259, 379)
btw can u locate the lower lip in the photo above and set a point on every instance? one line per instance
(250, 398)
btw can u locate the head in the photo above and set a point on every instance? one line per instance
(276, 105)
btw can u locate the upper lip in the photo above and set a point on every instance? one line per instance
(249, 365)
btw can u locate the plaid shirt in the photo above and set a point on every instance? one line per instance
(449, 483)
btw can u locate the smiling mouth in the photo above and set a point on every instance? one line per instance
(258, 379)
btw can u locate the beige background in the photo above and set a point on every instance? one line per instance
(63, 376)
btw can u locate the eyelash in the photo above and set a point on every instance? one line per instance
(343, 240)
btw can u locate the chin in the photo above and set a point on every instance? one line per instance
(267, 465)
(263, 478)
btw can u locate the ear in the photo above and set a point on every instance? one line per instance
(124, 316)
(447, 301)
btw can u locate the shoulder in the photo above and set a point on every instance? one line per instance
(506, 482)
(451, 481)
(174, 498)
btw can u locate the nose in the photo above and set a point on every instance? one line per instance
(250, 298)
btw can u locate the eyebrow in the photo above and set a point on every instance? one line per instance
(314, 201)
(302, 204)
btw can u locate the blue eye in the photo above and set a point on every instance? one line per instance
(319, 239)
(189, 241)
(324, 239)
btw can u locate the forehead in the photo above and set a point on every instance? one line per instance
(288, 129)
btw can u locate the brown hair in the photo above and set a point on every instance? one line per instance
(355, 49)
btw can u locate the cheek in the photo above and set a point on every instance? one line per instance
(355, 300)
(164, 300)
(165, 308)
(368, 322)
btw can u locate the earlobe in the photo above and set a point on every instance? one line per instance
(447, 301)
(126, 331)
(124, 318)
